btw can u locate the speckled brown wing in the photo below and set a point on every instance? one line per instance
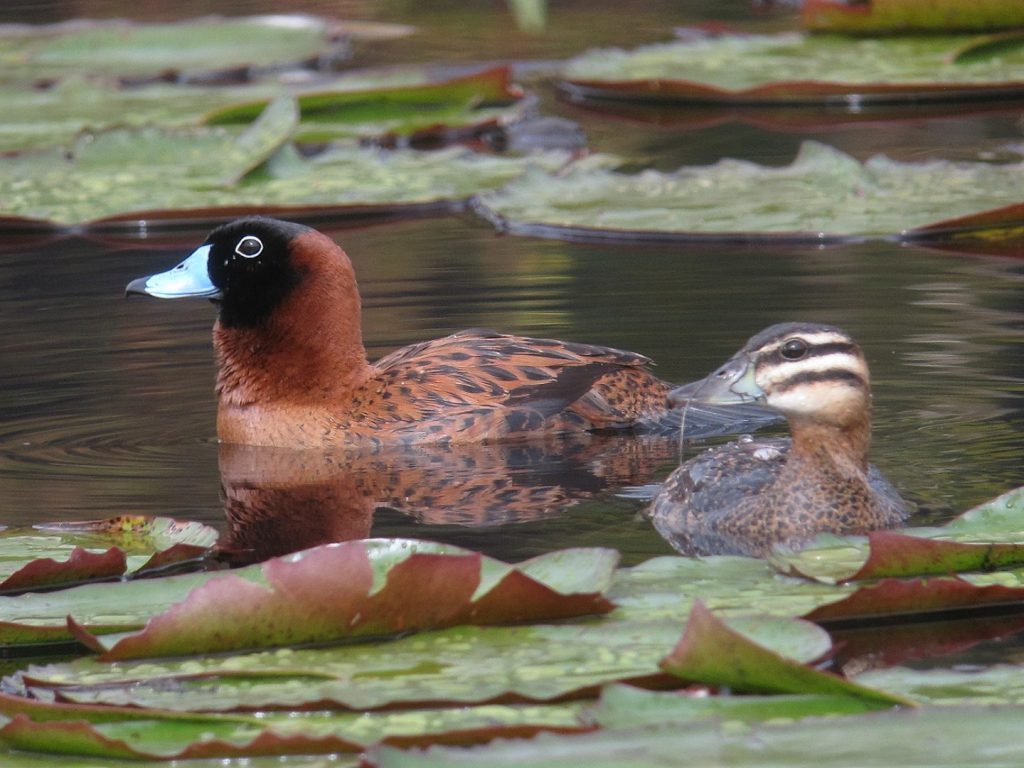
(701, 509)
(479, 384)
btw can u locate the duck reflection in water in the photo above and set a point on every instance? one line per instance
(281, 500)
(746, 496)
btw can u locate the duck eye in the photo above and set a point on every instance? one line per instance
(249, 247)
(794, 349)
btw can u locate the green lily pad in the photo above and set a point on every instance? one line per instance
(622, 706)
(938, 738)
(180, 49)
(997, 684)
(465, 664)
(397, 110)
(714, 654)
(358, 105)
(154, 174)
(63, 553)
(823, 195)
(148, 734)
(911, 15)
(794, 68)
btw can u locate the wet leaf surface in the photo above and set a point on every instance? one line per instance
(48, 555)
(823, 194)
(357, 105)
(714, 654)
(377, 587)
(622, 706)
(467, 664)
(210, 172)
(793, 68)
(147, 734)
(180, 49)
(934, 737)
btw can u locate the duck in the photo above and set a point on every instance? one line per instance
(750, 495)
(292, 370)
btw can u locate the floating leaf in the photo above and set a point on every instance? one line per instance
(937, 737)
(622, 706)
(794, 68)
(426, 586)
(150, 734)
(466, 664)
(179, 49)
(713, 654)
(64, 553)
(916, 597)
(824, 194)
(43, 117)
(997, 684)
(399, 109)
(910, 15)
(153, 174)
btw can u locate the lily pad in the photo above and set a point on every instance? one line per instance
(997, 684)
(149, 734)
(204, 174)
(466, 664)
(911, 15)
(794, 68)
(181, 49)
(823, 195)
(712, 653)
(65, 553)
(376, 105)
(397, 110)
(377, 587)
(623, 706)
(940, 738)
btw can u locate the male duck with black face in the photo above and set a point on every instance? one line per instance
(293, 371)
(746, 496)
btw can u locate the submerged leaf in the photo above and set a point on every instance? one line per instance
(823, 194)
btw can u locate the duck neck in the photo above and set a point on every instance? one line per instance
(309, 350)
(843, 448)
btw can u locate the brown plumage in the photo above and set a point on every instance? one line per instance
(746, 496)
(293, 371)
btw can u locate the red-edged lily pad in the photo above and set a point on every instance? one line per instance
(791, 68)
(712, 653)
(918, 599)
(282, 601)
(62, 554)
(823, 196)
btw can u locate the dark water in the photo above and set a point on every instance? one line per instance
(107, 404)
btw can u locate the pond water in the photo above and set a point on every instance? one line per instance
(108, 404)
